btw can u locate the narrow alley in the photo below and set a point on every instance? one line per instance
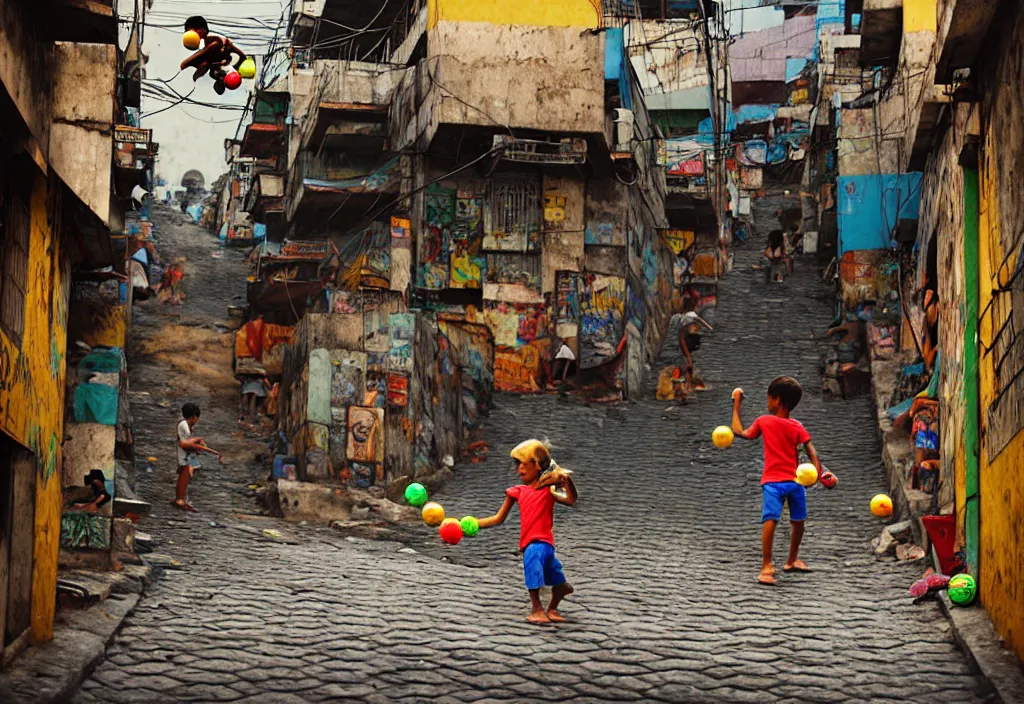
(663, 548)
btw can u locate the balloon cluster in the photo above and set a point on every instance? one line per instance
(451, 530)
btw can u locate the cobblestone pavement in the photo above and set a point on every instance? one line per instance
(663, 550)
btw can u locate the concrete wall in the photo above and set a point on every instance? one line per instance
(81, 138)
(565, 13)
(523, 77)
(941, 226)
(26, 61)
(1001, 222)
(32, 376)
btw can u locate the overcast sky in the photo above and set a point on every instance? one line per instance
(192, 136)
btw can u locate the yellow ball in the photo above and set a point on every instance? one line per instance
(806, 474)
(247, 69)
(722, 437)
(191, 40)
(881, 506)
(432, 513)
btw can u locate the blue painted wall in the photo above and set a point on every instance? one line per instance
(871, 206)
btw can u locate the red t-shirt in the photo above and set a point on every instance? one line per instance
(536, 513)
(782, 440)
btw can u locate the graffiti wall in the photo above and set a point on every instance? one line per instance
(602, 310)
(435, 236)
(32, 374)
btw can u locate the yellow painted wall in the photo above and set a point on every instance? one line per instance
(32, 394)
(541, 13)
(919, 15)
(1001, 559)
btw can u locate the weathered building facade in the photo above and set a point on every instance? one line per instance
(929, 142)
(62, 91)
(508, 215)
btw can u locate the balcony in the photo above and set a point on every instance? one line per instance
(350, 108)
(969, 22)
(266, 197)
(881, 29)
(263, 140)
(339, 188)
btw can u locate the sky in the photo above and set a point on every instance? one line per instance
(192, 136)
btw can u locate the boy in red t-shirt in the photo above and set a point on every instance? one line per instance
(543, 485)
(783, 437)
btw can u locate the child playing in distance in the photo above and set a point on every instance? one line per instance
(188, 458)
(543, 485)
(783, 437)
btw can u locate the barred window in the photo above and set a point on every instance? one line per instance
(14, 238)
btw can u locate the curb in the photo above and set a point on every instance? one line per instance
(977, 637)
(53, 672)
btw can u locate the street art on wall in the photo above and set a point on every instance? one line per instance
(363, 475)
(678, 240)
(602, 233)
(375, 322)
(365, 434)
(438, 217)
(403, 333)
(512, 215)
(519, 370)
(401, 254)
(516, 324)
(636, 309)
(375, 392)
(554, 211)
(348, 369)
(602, 307)
(567, 301)
(398, 391)
(468, 262)
(514, 269)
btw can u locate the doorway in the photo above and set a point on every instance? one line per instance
(17, 528)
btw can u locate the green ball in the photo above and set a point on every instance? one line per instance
(470, 526)
(962, 589)
(416, 494)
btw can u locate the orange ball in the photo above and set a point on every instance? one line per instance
(191, 40)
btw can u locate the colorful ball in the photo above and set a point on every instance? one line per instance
(828, 480)
(962, 589)
(881, 506)
(449, 521)
(806, 474)
(432, 513)
(416, 494)
(247, 69)
(450, 533)
(470, 526)
(232, 79)
(191, 40)
(722, 437)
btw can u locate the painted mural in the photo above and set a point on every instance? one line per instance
(468, 262)
(435, 238)
(602, 308)
(513, 215)
(32, 379)
(401, 254)
(403, 334)
(519, 369)
(516, 324)
(365, 434)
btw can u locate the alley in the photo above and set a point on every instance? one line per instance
(662, 548)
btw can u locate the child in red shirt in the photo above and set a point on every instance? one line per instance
(543, 485)
(783, 437)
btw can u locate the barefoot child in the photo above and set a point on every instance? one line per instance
(188, 449)
(783, 437)
(543, 485)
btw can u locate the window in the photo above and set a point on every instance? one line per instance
(14, 237)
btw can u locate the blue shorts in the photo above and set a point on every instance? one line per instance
(541, 567)
(774, 494)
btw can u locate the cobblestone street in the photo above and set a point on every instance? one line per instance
(663, 549)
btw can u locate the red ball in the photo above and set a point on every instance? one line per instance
(451, 533)
(232, 79)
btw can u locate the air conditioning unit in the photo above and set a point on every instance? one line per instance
(624, 130)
